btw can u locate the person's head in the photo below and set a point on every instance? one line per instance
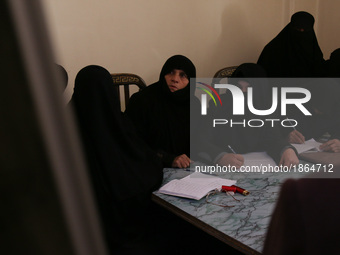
(177, 72)
(333, 64)
(302, 21)
(177, 79)
(93, 85)
(252, 75)
(335, 55)
(243, 74)
(324, 96)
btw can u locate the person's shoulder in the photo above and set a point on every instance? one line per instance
(304, 187)
(145, 96)
(150, 90)
(274, 46)
(288, 186)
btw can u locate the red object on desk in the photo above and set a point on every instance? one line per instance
(234, 189)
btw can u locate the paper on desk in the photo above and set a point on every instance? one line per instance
(310, 145)
(194, 186)
(258, 159)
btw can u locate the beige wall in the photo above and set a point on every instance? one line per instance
(138, 36)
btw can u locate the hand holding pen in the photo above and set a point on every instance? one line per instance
(231, 159)
(295, 136)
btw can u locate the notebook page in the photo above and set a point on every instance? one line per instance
(194, 186)
(187, 189)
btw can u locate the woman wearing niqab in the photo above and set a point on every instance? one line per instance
(295, 51)
(333, 65)
(245, 138)
(161, 113)
(123, 169)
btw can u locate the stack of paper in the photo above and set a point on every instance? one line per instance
(194, 186)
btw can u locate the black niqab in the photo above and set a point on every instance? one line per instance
(295, 51)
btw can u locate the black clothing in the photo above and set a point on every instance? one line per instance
(162, 117)
(324, 107)
(305, 221)
(244, 138)
(123, 169)
(295, 51)
(333, 64)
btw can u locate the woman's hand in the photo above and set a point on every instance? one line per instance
(232, 160)
(331, 146)
(181, 161)
(296, 137)
(289, 158)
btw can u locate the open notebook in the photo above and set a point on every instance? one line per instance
(194, 186)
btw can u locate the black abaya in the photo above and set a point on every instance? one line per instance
(325, 109)
(162, 117)
(244, 138)
(123, 169)
(295, 51)
(333, 65)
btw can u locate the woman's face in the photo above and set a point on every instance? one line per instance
(176, 80)
(243, 85)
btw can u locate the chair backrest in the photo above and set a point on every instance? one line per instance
(126, 80)
(225, 72)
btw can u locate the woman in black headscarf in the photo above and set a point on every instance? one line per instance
(295, 51)
(123, 169)
(333, 65)
(324, 107)
(245, 138)
(161, 112)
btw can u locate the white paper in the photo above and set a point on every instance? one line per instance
(258, 159)
(194, 186)
(307, 146)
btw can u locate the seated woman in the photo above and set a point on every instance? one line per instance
(123, 169)
(325, 109)
(333, 65)
(240, 136)
(295, 51)
(303, 223)
(161, 112)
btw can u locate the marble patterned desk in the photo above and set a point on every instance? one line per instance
(243, 226)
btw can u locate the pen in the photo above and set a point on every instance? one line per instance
(290, 123)
(231, 149)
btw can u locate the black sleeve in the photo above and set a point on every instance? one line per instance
(137, 112)
(275, 144)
